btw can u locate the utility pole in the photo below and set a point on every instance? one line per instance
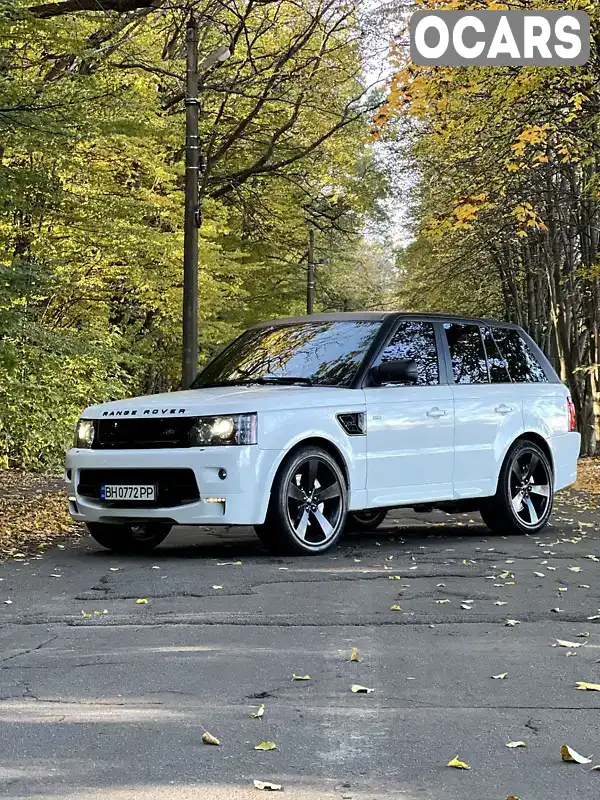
(190, 235)
(310, 274)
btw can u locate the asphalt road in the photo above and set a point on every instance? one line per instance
(113, 706)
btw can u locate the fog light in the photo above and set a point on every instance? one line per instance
(222, 474)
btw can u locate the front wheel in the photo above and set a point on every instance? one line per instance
(308, 504)
(134, 539)
(523, 500)
(366, 520)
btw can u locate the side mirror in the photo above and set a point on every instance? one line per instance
(404, 370)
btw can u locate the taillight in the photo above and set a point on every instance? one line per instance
(572, 415)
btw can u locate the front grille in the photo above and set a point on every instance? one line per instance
(140, 434)
(174, 487)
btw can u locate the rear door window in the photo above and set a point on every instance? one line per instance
(415, 340)
(522, 364)
(469, 363)
(497, 366)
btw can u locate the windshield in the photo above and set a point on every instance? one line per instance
(311, 353)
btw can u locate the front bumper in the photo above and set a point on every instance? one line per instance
(240, 499)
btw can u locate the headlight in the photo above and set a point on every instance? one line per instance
(84, 434)
(234, 429)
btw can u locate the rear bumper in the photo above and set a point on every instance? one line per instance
(240, 499)
(565, 452)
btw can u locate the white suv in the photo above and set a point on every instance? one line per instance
(304, 427)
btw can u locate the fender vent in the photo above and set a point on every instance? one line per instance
(353, 423)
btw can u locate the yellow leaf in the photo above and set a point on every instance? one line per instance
(500, 677)
(395, 608)
(500, 603)
(141, 601)
(217, 587)
(265, 785)
(208, 738)
(516, 744)
(458, 764)
(259, 712)
(442, 602)
(590, 687)
(266, 746)
(354, 655)
(300, 677)
(394, 577)
(568, 754)
(565, 643)
(358, 689)
(575, 569)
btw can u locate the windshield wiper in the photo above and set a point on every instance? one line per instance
(283, 380)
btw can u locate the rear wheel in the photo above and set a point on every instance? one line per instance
(366, 520)
(307, 509)
(523, 500)
(140, 538)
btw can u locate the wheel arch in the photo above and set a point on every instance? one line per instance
(527, 436)
(316, 441)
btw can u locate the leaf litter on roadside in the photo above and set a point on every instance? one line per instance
(457, 763)
(516, 744)
(358, 689)
(355, 657)
(500, 677)
(265, 746)
(208, 738)
(300, 677)
(588, 687)
(267, 786)
(259, 712)
(568, 754)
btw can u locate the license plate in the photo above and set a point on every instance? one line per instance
(109, 491)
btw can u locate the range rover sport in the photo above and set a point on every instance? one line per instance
(304, 427)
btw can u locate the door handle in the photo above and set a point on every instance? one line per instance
(436, 413)
(502, 409)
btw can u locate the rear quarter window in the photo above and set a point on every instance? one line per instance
(522, 364)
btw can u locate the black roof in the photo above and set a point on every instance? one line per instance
(378, 316)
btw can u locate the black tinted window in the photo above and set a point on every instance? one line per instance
(522, 364)
(415, 340)
(322, 353)
(466, 350)
(497, 366)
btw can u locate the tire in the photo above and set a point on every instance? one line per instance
(366, 520)
(132, 539)
(523, 501)
(308, 504)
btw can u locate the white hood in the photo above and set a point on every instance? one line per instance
(227, 400)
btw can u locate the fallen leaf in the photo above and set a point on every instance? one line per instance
(458, 764)
(584, 635)
(141, 601)
(354, 655)
(575, 569)
(565, 643)
(8, 602)
(259, 712)
(85, 614)
(394, 578)
(568, 754)
(517, 744)
(395, 608)
(510, 623)
(114, 569)
(208, 738)
(556, 610)
(592, 558)
(358, 689)
(300, 677)
(465, 607)
(439, 585)
(217, 587)
(500, 677)
(512, 797)
(230, 564)
(539, 574)
(594, 616)
(562, 589)
(590, 687)
(552, 569)
(500, 603)
(584, 586)
(442, 602)
(266, 786)
(266, 746)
